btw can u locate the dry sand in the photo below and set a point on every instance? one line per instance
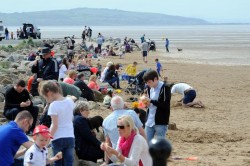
(218, 134)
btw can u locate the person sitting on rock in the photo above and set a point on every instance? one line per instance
(17, 99)
(13, 136)
(112, 77)
(87, 146)
(70, 79)
(46, 68)
(87, 93)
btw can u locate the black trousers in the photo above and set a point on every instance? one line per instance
(10, 114)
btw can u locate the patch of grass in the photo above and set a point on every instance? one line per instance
(29, 43)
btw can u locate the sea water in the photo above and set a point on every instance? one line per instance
(211, 44)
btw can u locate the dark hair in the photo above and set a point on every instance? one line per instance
(23, 115)
(112, 67)
(156, 60)
(64, 61)
(80, 75)
(21, 83)
(117, 66)
(150, 75)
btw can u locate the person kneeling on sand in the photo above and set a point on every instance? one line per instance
(188, 93)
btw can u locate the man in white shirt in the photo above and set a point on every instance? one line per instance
(188, 93)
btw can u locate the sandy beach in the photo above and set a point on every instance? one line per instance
(218, 134)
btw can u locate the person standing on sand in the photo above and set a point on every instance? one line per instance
(145, 48)
(143, 38)
(188, 93)
(167, 44)
(158, 106)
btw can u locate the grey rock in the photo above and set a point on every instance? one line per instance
(2, 97)
(14, 65)
(5, 64)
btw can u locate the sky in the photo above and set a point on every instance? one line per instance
(217, 11)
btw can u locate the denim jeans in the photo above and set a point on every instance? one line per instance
(66, 146)
(156, 130)
(113, 80)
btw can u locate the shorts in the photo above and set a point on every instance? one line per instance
(189, 96)
(144, 53)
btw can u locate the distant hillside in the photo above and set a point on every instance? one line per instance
(95, 17)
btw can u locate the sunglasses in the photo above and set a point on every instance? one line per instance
(120, 127)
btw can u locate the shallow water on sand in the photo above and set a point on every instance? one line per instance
(210, 44)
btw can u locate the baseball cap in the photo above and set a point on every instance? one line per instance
(45, 50)
(43, 130)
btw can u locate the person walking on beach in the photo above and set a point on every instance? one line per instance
(100, 40)
(143, 38)
(89, 33)
(158, 67)
(145, 49)
(6, 34)
(188, 93)
(167, 45)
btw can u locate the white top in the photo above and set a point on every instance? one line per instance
(103, 74)
(62, 71)
(154, 95)
(35, 156)
(138, 151)
(180, 88)
(64, 110)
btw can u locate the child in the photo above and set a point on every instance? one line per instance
(61, 113)
(107, 98)
(131, 71)
(37, 153)
(158, 67)
(99, 67)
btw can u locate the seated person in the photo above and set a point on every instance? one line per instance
(112, 77)
(17, 99)
(111, 52)
(87, 93)
(93, 84)
(70, 79)
(91, 48)
(70, 90)
(87, 146)
(104, 72)
(131, 71)
(132, 148)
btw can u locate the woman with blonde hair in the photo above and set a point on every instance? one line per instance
(70, 79)
(93, 84)
(132, 148)
(61, 113)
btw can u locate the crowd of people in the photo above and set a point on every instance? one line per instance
(65, 122)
